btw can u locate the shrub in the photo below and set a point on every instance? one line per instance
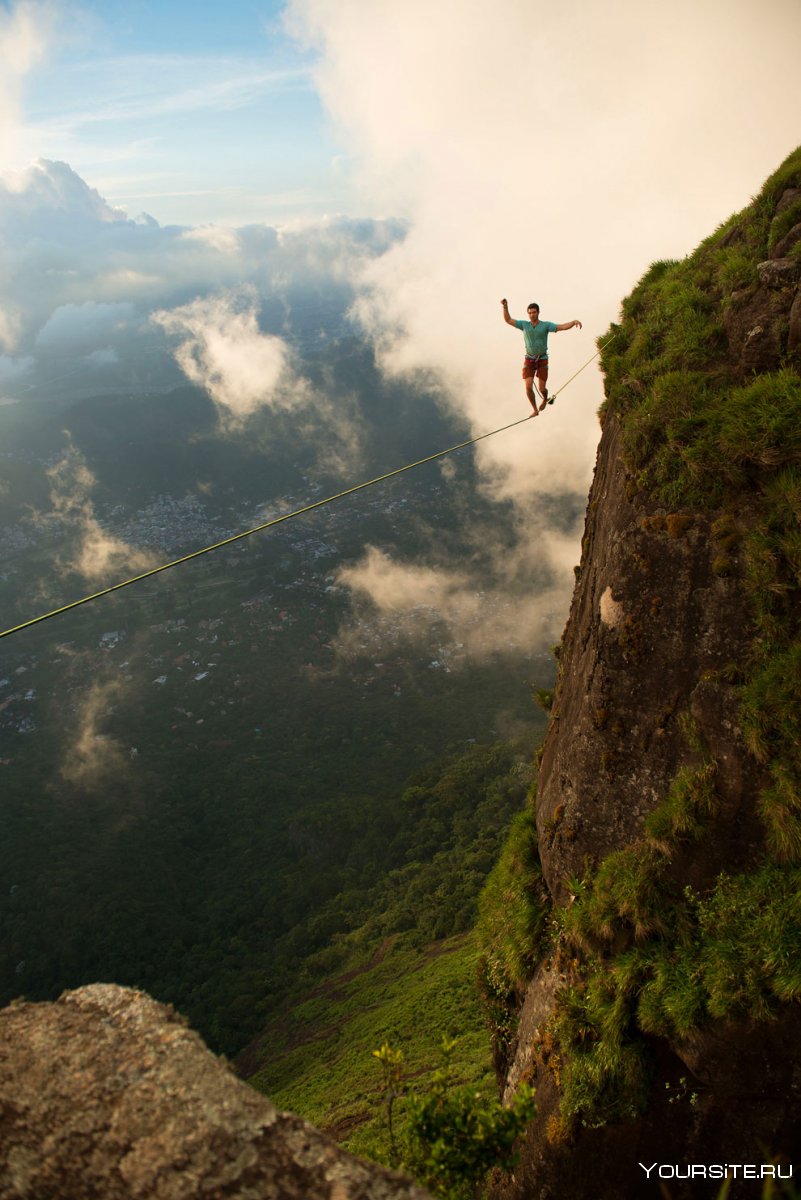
(454, 1136)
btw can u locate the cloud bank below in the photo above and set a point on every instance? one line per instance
(91, 300)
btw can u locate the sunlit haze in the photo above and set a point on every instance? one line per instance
(170, 170)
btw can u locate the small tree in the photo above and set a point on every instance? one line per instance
(454, 1135)
(392, 1087)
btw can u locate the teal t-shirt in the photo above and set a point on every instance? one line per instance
(536, 337)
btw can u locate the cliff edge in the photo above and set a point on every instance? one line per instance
(660, 1021)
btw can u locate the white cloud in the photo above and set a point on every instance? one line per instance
(78, 277)
(224, 352)
(92, 757)
(47, 199)
(547, 153)
(226, 241)
(456, 609)
(506, 591)
(88, 549)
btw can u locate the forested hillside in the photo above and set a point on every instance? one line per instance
(207, 776)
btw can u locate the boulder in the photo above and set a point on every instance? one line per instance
(106, 1093)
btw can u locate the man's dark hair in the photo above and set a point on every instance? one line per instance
(533, 305)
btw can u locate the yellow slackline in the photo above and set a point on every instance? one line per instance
(587, 363)
(286, 517)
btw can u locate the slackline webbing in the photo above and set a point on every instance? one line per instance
(285, 517)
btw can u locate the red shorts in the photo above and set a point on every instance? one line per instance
(535, 368)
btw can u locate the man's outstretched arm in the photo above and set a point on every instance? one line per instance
(506, 317)
(567, 325)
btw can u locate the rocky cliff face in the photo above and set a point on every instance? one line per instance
(651, 632)
(108, 1094)
(662, 1022)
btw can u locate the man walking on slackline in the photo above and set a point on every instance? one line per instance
(535, 364)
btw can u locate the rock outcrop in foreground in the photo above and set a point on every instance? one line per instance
(108, 1094)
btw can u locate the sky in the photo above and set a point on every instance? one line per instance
(198, 113)
(172, 172)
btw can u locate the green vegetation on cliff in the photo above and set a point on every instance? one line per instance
(704, 428)
(702, 377)
(708, 424)
(511, 925)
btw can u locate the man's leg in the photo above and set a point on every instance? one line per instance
(542, 383)
(532, 399)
